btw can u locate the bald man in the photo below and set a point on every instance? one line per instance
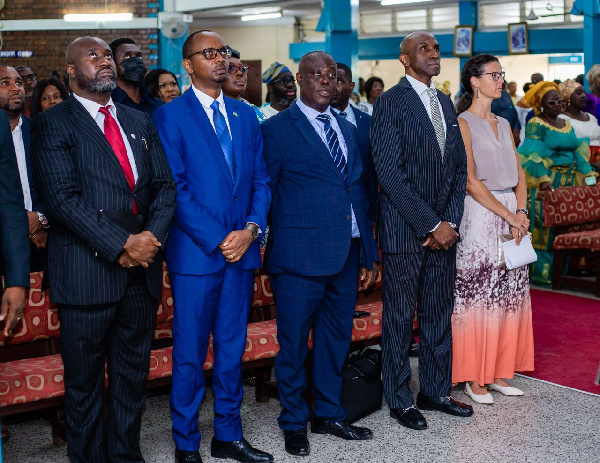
(421, 165)
(111, 195)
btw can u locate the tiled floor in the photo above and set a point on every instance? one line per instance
(549, 424)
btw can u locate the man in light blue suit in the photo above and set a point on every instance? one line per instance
(320, 240)
(214, 147)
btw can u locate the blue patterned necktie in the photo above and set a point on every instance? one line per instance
(223, 136)
(335, 150)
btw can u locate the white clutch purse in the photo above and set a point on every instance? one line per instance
(512, 256)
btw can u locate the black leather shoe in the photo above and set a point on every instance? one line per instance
(296, 442)
(239, 450)
(184, 456)
(340, 428)
(444, 404)
(410, 417)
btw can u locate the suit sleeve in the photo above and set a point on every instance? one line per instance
(196, 219)
(56, 176)
(386, 141)
(273, 155)
(14, 227)
(162, 208)
(261, 193)
(456, 198)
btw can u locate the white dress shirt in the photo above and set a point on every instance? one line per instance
(350, 117)
(94, 109)
(421, 90)
(311, 114)
(17, 136)
(206, 100)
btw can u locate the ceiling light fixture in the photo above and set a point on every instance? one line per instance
(256, 17)
(100, 17)
(401, 2)
(532, 16)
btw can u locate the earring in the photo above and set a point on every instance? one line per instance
(477, 92)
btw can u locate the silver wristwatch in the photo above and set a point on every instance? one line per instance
(43, 219)
(254, 229)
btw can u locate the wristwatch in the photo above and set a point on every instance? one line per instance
(452, 225)
(253, 228)
(43, 219)
(522, 211)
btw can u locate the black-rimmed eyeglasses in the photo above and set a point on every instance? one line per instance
(211, 53)
(495, 75)
(233, 69)
(284, 80)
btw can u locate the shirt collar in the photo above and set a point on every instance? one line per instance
(19, 125)
(419, 86)
(92, 107)
(311, 113)
(206, 100)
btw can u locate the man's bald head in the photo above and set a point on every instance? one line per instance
(420, 56)
(409, 41)
(310, 57)
(82, 44)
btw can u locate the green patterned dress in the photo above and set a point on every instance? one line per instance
(557, 156)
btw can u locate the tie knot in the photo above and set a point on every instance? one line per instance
(214, 105)
(432, 92)
(343, 114)
(105, 110)
(324, 118)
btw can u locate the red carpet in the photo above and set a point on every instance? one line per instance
(566, 333)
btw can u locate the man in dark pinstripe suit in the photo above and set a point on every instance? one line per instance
(420, 162)
(109, 189)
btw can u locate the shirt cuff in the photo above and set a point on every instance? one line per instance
(435, 228)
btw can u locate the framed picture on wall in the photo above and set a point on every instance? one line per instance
(518, 38)
(463, 40)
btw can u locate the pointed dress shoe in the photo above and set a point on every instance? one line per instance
(506, 390)
(296, 442)
(340, 428)
(184, 456)
(410, 417)
(479, 398)
(446, 405)
(239, 450)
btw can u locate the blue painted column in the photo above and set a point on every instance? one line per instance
(339, 20)
(467, 16)
(591, 32)
(169, 51)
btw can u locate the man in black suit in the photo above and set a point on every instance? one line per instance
(110, 192)
(362, 122)
(421, 165)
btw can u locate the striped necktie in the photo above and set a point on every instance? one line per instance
(436, 119)
(335, 150)
(223, 136)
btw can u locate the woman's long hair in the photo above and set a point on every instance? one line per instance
(473, 67)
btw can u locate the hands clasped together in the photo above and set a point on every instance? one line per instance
(235, 244)
(443, 237)
(139, 249)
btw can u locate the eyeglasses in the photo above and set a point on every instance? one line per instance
(317, 75)
(560, 101)
(495, 75)
(284, 80)
(211, 53)
(233, 69)
(29, 78)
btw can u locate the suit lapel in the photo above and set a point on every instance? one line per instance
(449, 111)
(351, 142)
(308, 132)
(206, 130)
(235, 125)
(418, 109)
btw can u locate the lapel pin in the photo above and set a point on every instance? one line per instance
(145, 142)
(235, 114)
(133, 136)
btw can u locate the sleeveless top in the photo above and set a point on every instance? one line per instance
(495, 159)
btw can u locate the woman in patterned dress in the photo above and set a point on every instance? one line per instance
(491, 322)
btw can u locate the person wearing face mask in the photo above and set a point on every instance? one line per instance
(130, 77)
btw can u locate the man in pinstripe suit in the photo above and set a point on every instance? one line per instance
(109, 189)
(420, 162)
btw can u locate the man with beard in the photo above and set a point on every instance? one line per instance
(281, 89)
(130, 77)
(214, 147)
(111, 196)
(29, 83)
(421, 166)
(12, 99)
(320, 242)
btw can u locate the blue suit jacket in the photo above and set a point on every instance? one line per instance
(36, 202)
(363, 124)
(419, 187)
(210, 204)
(311, 227)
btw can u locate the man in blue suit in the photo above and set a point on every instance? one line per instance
(362, 122)
(214, 147)
(421, 165)
(320, 240)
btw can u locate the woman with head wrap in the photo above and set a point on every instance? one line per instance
(593, 98)
(552, 157)
(584, 123)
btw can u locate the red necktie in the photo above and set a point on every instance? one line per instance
(114, 137)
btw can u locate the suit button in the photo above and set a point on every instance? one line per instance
(348, 189)
(348, 217)
(235, 198)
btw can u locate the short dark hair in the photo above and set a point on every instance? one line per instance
(151, 81)
(118, 42)
(186, 50)
(369, 84)
(235, 53)
(36, 97)
(344, 68)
